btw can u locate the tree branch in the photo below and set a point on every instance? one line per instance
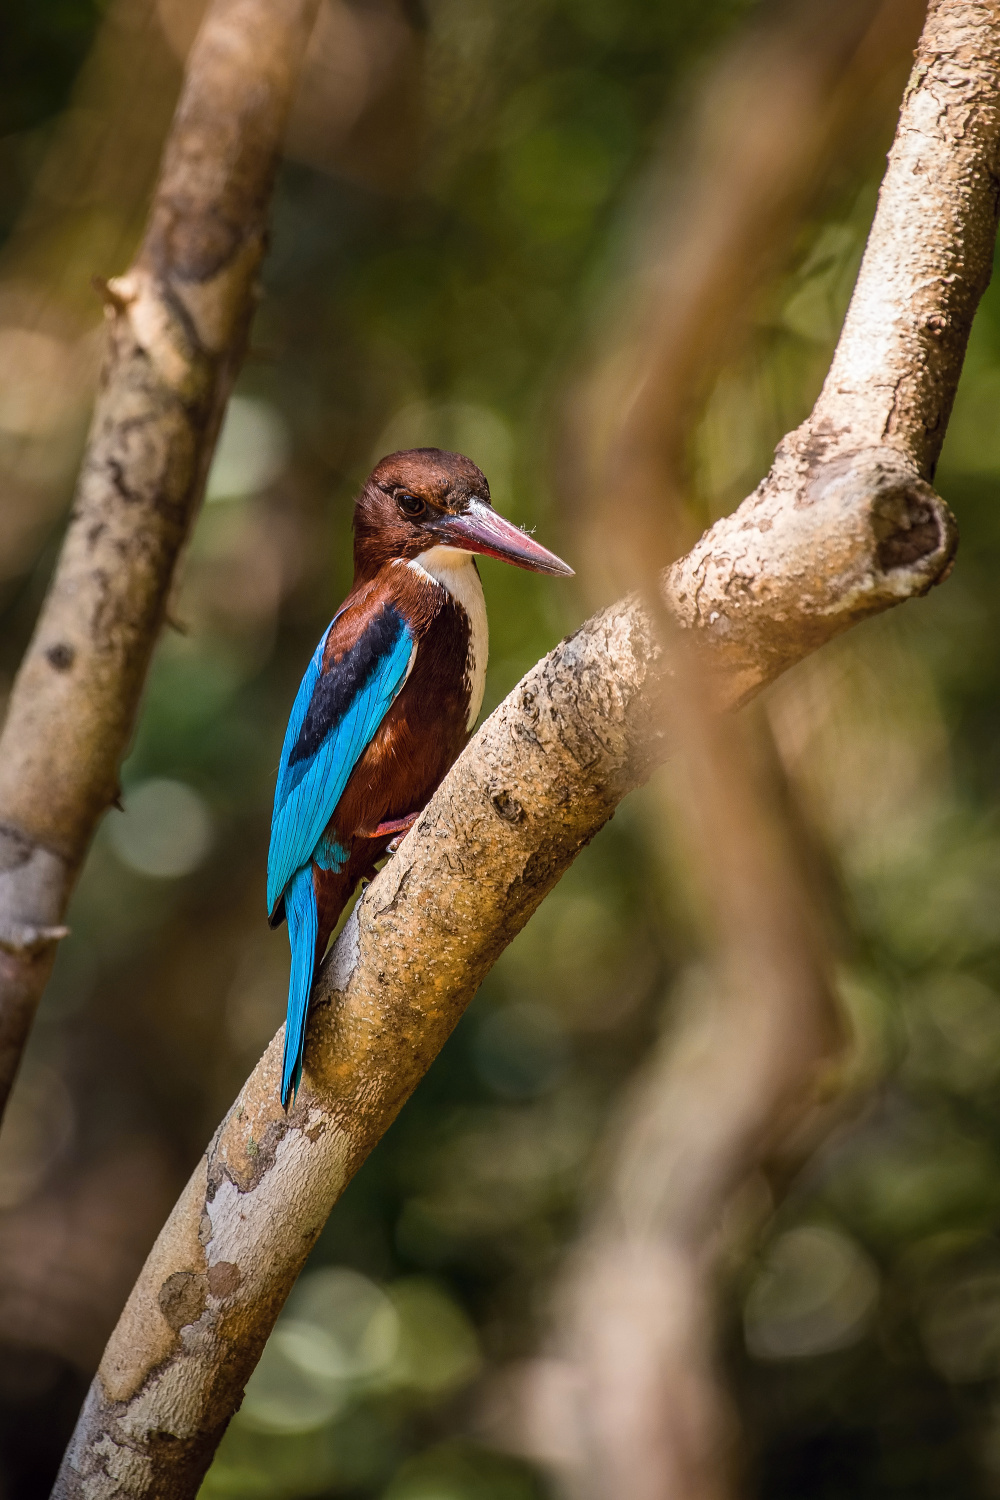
(177, 328)
(845, 526)
(626, 1400)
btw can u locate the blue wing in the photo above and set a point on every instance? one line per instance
(333, 719)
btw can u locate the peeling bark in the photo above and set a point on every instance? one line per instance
(845, 526)
(177, 328)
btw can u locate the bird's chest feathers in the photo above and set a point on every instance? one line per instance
(455, 571)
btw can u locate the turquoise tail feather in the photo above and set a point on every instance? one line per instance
(300, 910)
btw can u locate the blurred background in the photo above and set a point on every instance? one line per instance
(464, 210)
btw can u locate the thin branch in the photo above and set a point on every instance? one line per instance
(177, 328)
(800, 87)
(844, 527)
(626, 1399)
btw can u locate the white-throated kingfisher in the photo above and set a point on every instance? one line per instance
(388, 701)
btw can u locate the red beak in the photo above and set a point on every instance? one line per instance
(480, 529)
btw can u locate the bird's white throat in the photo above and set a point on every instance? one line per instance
(455, 570)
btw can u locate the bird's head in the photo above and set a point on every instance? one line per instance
(426, 497)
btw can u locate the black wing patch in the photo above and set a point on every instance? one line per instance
(337, 689)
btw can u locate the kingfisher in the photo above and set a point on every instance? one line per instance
(388, 701)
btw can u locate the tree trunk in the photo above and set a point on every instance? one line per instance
(177, 329)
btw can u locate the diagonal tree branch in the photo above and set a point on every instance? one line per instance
(626, 1399)
(846, 525)
(177, 329)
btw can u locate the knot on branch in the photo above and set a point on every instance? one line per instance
(505, 806)
(823, 543)
(912, 534)
(912, 524)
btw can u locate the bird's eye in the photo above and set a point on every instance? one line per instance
(410, 505)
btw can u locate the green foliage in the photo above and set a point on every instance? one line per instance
(41, 48)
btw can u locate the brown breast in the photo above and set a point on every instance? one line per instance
(426, 728)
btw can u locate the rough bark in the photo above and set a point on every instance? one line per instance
(845, 526)
(177, 327)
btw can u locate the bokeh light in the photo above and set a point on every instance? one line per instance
(165, 830)
(252, 451)
(816, 1292)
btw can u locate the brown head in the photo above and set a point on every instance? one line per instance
(426, 497)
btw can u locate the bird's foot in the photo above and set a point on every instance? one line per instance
(398, 826)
